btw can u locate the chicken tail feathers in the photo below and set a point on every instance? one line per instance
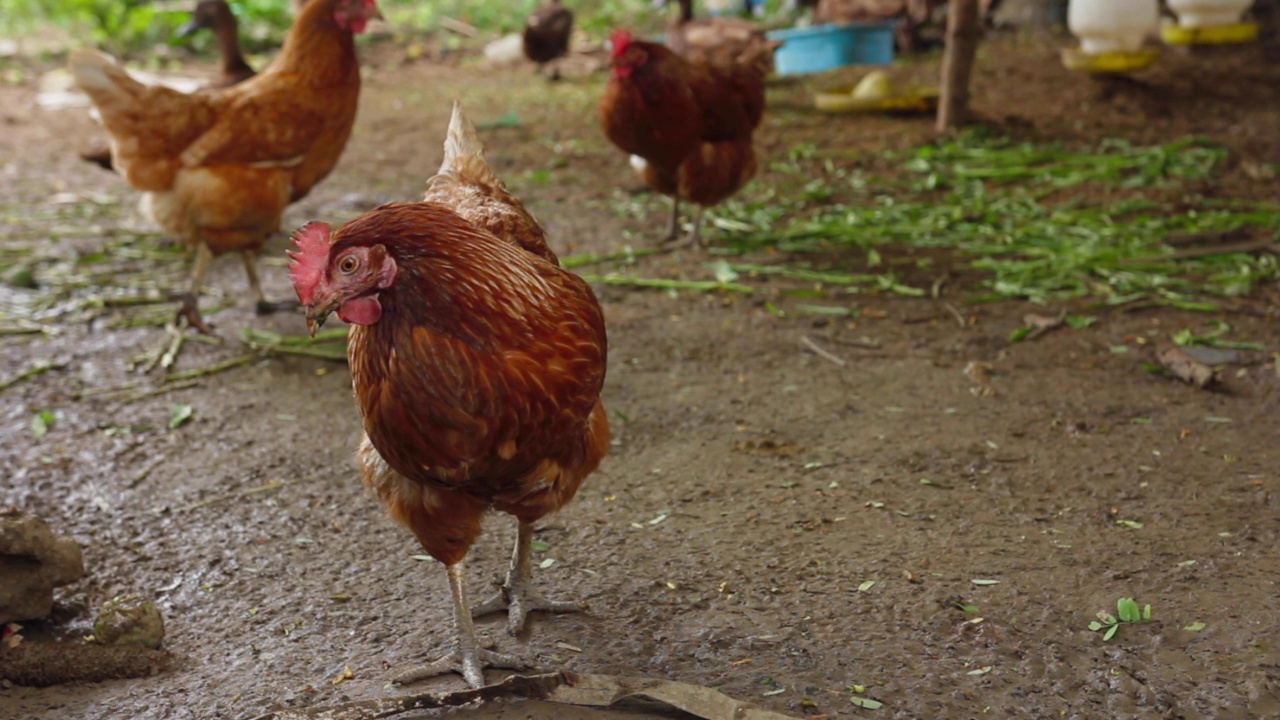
(107, 84)
(463, 152)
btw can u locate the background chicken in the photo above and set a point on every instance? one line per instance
(216, 15)
(688, 125)
(721, 40)
(477, 364)
(218, 167)
(212, 15)
(546, 34)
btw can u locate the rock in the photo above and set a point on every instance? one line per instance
(129, 620)
(33, 561)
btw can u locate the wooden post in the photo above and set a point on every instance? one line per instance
(957, 62)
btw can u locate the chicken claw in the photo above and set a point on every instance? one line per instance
(515, 595)
(189, 310)
(469, 665)
(467, 659)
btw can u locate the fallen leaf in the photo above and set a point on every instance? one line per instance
(343, 676)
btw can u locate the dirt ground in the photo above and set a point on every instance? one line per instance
(770, 522)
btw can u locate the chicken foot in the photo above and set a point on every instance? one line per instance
(467, 659)
(263, 306)
(189, 310)
(516, 595)
(693, 239)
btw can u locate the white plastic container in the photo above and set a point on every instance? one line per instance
(1208, 13)
(1105, 26)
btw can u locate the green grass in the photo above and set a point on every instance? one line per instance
(134, 26)
(1037, 221)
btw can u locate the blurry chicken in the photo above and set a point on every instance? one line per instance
(212, 15)
(546, 35)
(477, 364)
(218, 167)
(688, 125)
(721, 40)
(216, 15)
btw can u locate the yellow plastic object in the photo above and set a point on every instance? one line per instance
(909, 99)
(1074, 59)
(1243, 32)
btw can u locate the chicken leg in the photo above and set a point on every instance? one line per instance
(262, 306)
(516, 596)
(190, 308)
(467, 659)
(674, 231)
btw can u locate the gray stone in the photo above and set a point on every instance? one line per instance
(33, 561)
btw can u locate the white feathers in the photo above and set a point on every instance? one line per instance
(463, 153)
(638, 164)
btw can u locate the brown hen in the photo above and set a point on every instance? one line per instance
(217, 167)
(477, 363)
(688, 125)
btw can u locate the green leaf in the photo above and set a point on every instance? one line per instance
(1020, 333)
(866, 585)
(1095, 626)
(1128, 611)
(1146, 612)
(179, 414)
(1079, 322)
(1196, 626)
(980, 671)
(983, 582)
(539, 545)
(867, 703)
(1111, 632)
(41, 423)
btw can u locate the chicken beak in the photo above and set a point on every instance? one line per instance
(316, 317)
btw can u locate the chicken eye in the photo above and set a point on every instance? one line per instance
(348, 264)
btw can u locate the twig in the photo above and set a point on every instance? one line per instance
(213, 369)
(39, 367)
(955, 313)
(91, 392)
(163, 389)
(137, 479)
(824, 354)
(271, 485)
(669, 284)
(573, 261)
(1257, 244)
(458, 26)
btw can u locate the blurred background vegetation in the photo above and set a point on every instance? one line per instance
(130, 26)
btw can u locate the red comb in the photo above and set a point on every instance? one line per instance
(621, 38)
(307, 264)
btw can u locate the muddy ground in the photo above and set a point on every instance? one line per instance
(763, 524)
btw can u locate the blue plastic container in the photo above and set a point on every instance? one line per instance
(822, 47)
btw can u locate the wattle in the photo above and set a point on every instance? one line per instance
(364, 310)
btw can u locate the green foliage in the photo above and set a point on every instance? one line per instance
(1128, 611)
(123, 26)
(1001, 206)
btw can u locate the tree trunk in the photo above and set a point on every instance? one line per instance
(957, 62)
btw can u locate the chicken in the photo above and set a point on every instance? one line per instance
(217, 167)
(688, 125)
(546, 34)
(212, 15)
(477, 363)
(720, 40)
(216, 15)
